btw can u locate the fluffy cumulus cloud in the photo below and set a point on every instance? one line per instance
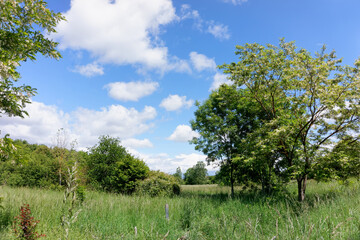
(134, 143)
(235, 2)
(219, 31)
(40, 127)
(183, 133)
(130, 91)
(89, 70)
(219, 79)
(115, 120)
(84, 125)
(202, 62)
(120, 32)
(176, 102)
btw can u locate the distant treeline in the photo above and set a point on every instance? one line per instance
(106, 166)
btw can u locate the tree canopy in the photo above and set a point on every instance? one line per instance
(304, 105)
(223, 121)
(22, 37)
(196, 174)
(112, 168)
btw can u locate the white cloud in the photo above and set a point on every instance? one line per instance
(183, 133)
(120, 32)
(186, 12)
(84, 125)
(219, 79)
(40, 127)
(219, 31)
(136, 143)
(116, 121)
(176, 102)
(89, 70)
(235, 2)
(130, 91)
(167, 163)
(202, 62)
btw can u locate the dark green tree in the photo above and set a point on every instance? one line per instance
(112, 168)
(196, 175)
(223, 122)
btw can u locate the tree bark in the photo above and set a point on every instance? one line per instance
(232, 180)
(301, 187)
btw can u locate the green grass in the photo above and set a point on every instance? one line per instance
(331, 211)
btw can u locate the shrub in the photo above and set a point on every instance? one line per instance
(112, 168)
(25, 225)
(159, 184)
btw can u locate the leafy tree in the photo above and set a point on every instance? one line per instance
(112, 168)
(223, 121)
(21, 38)
(178, 174)
(196, 175)
(341, 162)
(309, 102)
(22, 23)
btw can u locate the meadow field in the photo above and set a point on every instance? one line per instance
(330, 211)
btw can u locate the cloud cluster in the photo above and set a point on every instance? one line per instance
(130, 91)
(176, 102)
(120, 32)
(84, 125)
(183, 133)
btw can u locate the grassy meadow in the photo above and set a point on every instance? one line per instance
(331, 211)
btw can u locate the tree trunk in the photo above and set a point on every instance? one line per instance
(301, 188)
(232, 180)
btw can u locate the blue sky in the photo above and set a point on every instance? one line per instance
(134, 68)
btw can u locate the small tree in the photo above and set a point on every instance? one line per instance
(196, 175)
(112, 168)
(223, 121)
(178, 174)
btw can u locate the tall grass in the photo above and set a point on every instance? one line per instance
(331, 211)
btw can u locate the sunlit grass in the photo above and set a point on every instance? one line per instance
(331, 211)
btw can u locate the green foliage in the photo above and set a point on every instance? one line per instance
(32, 165)
(196, 175)
(178, 175)
(223, 122)
(308, 102)
(22, 37)
(70, 202)
(112, 168)
(159, 184)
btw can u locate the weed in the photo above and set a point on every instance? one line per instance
(25, 225)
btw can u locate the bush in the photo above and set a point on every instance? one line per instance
(159, 184)
(112, 168)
